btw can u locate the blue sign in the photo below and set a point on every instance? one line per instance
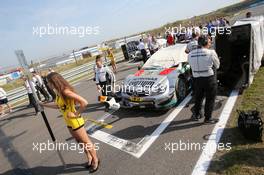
(15, 75)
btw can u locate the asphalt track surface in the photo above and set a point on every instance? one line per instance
(137, 143)
(131, 128)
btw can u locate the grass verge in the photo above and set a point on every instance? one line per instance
(246, 157)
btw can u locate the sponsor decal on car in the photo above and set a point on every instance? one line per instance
(166, 71)
(138, 73)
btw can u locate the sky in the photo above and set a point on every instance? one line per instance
(21, 22)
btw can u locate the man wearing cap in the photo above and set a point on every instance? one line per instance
(204, 62)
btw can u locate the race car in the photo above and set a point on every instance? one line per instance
(164, 80)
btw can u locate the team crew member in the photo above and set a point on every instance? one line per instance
(50, 91)
(110, 55)
(4, 101)
(65, 102)
(193, 44)
(102, 76)
(32, 101)
(141, 47)
(40, 86)
(203, 61)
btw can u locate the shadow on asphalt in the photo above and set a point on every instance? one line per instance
(50, 170)
(141, 131)
(17, 161)
(129, 133)
(13, 116)
(12, 155)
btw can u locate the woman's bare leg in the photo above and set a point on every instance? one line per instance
(89, 157)
(113, 64)
(9, 107)
(115, 67)
(1, 110)
(82, 136)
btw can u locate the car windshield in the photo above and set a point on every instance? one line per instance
(167, 57)
(151, 67)
(161, 65)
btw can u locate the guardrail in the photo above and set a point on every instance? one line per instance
(20, 93)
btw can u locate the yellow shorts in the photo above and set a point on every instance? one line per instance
(74, 123)
(112, 61)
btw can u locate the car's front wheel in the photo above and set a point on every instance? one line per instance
(181, 89)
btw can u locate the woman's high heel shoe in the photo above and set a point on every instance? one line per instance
(92, 170)
(88, 165)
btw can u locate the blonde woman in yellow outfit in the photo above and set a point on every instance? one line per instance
(110, 55)
(66, 99)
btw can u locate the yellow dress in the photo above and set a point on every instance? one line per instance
(71, 122)
(111, 57)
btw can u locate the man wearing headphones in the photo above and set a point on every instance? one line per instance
(203, 62)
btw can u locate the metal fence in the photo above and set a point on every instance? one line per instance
(20, 93)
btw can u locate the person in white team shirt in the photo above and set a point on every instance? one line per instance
(4, 101)
(32, 100)
(141, 47)
(103, 77)
(193, 44)
(204, 62)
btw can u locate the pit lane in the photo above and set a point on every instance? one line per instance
(134, 145)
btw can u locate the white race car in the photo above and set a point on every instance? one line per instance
(162, 81)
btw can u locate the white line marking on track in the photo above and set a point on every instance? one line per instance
(211, 145)
(137, 150)
(109, 139)
(121, 144)
(163, 126)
